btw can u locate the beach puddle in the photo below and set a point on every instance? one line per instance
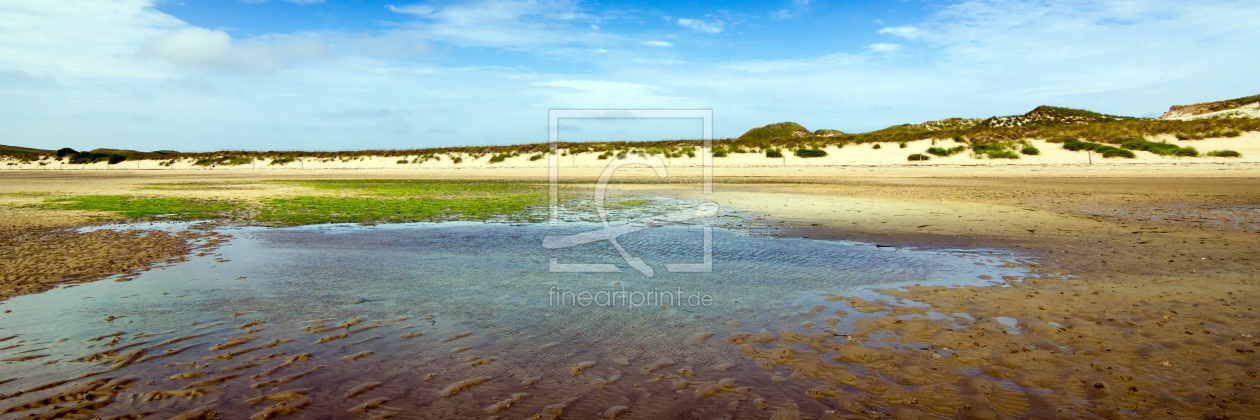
(450, 320)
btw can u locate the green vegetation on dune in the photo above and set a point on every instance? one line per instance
(1162, 149)
(1075, 144)
(1001, 154)
(19, 151)
(1207, 107)
(776, 130)
(224, 161)
(1224, 153)
(810, 153)
(1054, 115)
(946, 152)
(282, 160)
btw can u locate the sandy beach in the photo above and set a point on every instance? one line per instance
(1144, 275)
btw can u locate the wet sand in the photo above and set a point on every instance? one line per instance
(1142, 302)
(41, 249)
(1146, 306)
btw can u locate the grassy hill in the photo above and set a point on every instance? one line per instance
(23, 151)
(1206, 107)
(1052, 115)
(134, 155)
(776, 130)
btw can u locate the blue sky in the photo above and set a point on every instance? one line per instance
(197, 75)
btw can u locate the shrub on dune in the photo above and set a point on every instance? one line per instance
(1074, 144)
(810, 153)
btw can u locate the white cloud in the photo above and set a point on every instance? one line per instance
(883, 47)
(411, 9)
(658, 44)
(701, 26)
(798, 7)
(200, 47)
(581, 93)
(518, 24)
(365, 113)
(301, 2)
(907, 32)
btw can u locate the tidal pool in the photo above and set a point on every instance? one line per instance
(446, 320)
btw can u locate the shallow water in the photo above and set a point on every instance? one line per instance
(417, 289)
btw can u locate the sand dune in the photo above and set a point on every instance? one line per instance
(889, 154)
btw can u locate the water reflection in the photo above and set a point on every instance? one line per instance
(440, 320)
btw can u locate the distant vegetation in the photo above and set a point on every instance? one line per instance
(918, 157)
(224, 160)
(946, 152)
(1074, 144)
(1207, 107)
(810, 153)
(1210, 134)
(1162, 149)
(1224, 153)
(1044, 122)
(282, 160)
(781, 130)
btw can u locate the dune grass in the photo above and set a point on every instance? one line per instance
(810, 153)
(1001, 154)
(942, 152)
(283, 160)
(1162, 149)
(1224, 153)
(1074, 144)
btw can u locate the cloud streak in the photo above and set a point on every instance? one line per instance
(200, 47)
(698, 25)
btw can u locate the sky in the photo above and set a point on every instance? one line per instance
(202, 75)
